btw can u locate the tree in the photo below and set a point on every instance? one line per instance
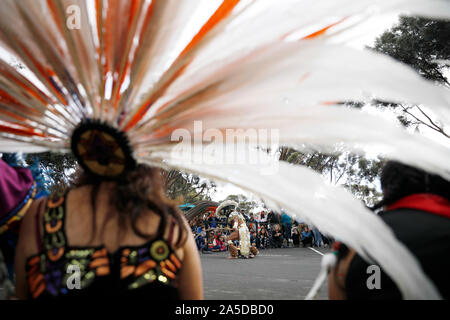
(187, 188)
(53, 173)
(356, 173)
(422, 44)
(419, 43)
(244, 203)
(60, 168)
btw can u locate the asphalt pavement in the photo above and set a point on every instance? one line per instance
(275, 274)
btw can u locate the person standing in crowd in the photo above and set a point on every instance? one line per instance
(262, 220)
(212, 222)
(317, 237)
(295, 237)
(269, 217)
(245, 215)
(198, 225)
(416, 206)
(262, 217)
(287, 226)
(205, 221)
(252, 224)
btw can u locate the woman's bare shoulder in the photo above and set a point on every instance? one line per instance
(29, 226)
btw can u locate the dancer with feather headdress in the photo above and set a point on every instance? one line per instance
(136, 73)
(229, 210)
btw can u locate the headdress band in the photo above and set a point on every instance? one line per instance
(101, 150)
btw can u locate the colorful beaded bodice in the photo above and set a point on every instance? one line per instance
(62, 270)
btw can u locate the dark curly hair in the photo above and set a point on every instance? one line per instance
(399, 180)
(135, 193)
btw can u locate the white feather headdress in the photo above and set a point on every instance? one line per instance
(228, 203)
(151, 68)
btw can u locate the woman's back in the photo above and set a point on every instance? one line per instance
(67, 250)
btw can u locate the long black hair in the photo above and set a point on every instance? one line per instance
(399, 180)
(139, 191)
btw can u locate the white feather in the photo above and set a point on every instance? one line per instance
(302, 191)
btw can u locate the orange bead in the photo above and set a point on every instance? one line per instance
(99, 262)
(126, 271)
(144, 267)
(175, 261)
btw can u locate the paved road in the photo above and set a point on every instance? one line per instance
(275, 274)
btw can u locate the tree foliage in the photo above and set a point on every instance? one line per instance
(424, 45)
(420, 43)
(61, 168)
(357, 173)
(187, 188)
(244, 203)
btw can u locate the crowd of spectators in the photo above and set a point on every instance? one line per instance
(267, 230)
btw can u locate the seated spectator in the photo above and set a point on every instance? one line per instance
(277, 237)
(307, 237)
(254, 239)
(327, 241)
(296, 237)
(264, 239)
(212, 242)
(201, 239)
(201, 243)
(199, 228)
(203, 232)
(218, 232)
(221, 243)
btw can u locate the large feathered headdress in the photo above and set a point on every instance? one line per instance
(226, 207)
(122, 81)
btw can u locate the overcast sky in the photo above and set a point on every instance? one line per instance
(358, 39)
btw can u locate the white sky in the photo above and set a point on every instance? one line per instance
(361, 38)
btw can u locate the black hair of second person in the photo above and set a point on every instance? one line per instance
(399, 180)
(140, 190)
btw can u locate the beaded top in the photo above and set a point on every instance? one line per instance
(63, 270)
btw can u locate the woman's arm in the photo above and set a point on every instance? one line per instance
(190, 280)
(26, 246)
(337, 276)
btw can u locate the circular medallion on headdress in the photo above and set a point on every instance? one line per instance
(102, 150)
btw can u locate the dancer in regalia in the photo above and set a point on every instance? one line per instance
(240, 232)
